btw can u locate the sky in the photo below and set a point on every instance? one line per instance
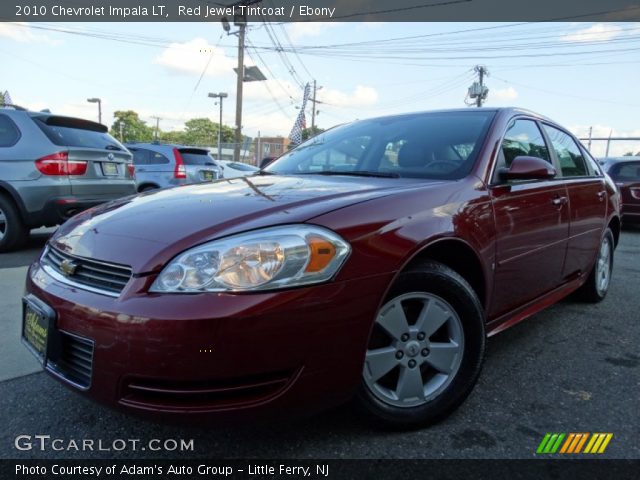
(581, 75)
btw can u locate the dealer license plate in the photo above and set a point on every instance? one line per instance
(110, 168)
(35, 329)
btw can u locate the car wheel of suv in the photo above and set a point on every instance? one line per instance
(13, 231)
(597, 285)
(426, 349)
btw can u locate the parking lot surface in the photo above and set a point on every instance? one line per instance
(572, 368)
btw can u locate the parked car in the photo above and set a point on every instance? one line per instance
(161, 165)
(235, 169)
(625, 171)
(369, 263)
(52, 167)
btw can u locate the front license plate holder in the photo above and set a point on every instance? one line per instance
(38, 328)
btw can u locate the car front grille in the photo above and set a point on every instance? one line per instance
(74, 362)
(101, 277)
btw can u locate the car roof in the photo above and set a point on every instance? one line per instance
(160, 144)
(506, 110)
(633, 158)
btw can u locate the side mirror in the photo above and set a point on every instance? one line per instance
(528, 168)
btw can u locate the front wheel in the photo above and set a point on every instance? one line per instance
(597, 285)
(426, 349)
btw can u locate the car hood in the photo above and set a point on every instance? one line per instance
(147, 230)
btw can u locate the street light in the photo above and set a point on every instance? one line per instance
(221, 96)
(99, 102)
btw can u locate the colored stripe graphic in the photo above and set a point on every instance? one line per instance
(552, 442)
(598, 443)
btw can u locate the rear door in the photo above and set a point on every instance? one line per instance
(199, 165)
(88, 143)
(587, 201)
(153, 168)
(532, 224)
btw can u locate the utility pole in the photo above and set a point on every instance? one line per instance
(313, 105)
(238, 144)
(589, 144)
(157, 127)
(481, 71)
(221, 96)
(121, 132)
(313, 111)
(478, 90)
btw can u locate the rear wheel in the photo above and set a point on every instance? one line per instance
(597, 285)
(13, 232)
(426, 349)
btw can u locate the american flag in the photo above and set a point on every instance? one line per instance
(301, 122)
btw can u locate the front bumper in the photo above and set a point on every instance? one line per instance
(219, 356)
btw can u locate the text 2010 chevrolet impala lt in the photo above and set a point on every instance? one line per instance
(371, 262)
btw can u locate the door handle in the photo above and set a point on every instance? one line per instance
(559, 201)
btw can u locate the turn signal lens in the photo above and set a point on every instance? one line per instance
(322, 252)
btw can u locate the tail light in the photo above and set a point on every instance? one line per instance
(132, 170)
(59, 164)
(179, 171)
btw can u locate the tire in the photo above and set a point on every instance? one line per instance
(147, 188)
(395, 399)
(13, 231)
(597, 285)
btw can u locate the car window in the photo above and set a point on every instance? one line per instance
(440, 145)
(9, 133)
(76, 132)
(193, 156)
(523, 138)
(626, 172)
(142, 156)
(572, 162)
(242, 166)
(592, 164)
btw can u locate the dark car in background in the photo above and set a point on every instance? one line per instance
(625, 171)
(52, 167)
(369, 263)
(161, 165)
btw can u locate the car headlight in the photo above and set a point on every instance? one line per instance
(265, 259)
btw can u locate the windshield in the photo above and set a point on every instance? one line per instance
(192, 156)
(440, 145)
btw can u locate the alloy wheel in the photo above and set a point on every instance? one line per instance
(3, 224)
(415, 350)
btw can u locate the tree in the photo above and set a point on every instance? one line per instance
(202, 131)
(308, 133)
(129, 128)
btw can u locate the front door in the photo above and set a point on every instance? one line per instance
(532, 224)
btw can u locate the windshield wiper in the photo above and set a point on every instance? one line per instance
(355, 173)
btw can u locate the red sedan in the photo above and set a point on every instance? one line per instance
(369, 263)
(625, 171)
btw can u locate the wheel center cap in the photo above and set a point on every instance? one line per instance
(412, 349)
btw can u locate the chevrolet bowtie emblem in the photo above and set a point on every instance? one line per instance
(68, 267)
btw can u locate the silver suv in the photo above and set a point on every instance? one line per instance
(52, 167)
(159, 165)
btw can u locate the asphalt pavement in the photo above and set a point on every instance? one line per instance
(572, 368)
